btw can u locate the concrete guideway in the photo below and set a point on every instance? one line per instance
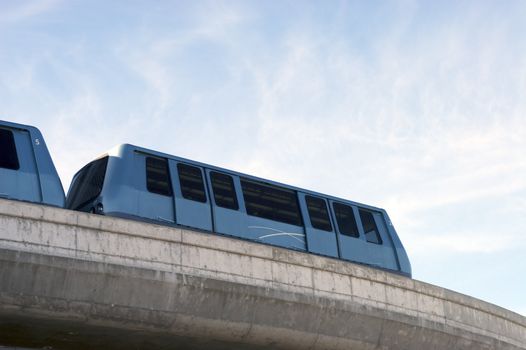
(72, 280)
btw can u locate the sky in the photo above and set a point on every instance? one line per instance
(418, 107)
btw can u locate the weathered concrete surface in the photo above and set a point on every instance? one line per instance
(77, 281)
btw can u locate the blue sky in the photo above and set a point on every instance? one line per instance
(418, 107)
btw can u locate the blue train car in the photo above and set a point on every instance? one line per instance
(133, 182)
(27, 172)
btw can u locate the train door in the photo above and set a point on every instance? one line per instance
(192, 205)
(155, 193)
(379, 244)
(227, 204)
(18, 169)
(320, 231)
(352, 246)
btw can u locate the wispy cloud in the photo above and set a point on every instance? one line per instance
(466, 242)
(20, 11)
(162, 58)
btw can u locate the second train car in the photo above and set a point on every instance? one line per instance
(138, 183)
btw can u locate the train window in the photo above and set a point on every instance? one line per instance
(8, 156)
(345, 219)
(191, 181)
(87, 184)
(319, 216)
(271, 202)
(224, 191)
(158, 176)
(369, 227)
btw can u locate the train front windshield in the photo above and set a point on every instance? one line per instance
(87, 184)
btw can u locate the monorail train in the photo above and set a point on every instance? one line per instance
(26, 170)
(141, 184)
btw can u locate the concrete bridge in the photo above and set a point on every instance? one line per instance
(71, 280)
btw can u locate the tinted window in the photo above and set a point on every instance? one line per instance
(8, 157)
(369, 227)
(224, 192)
(87, 184)
(319, 216)
(191, 181)
(271, 202)
(157, 176)
(345, 219)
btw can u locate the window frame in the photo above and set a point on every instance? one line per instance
(309, 198)
(235, 204)
(355, 226)
(11, 163)
(184, 191)
(376, 230)
(149, 186)
(251, 206)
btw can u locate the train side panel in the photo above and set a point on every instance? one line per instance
(228, 204)
(401, 253)
(151, 186)
(27, 171)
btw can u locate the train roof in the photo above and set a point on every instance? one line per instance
(126, 147)
(12, 125)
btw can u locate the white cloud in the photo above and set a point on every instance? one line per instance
(469, 242)
(25, 10)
